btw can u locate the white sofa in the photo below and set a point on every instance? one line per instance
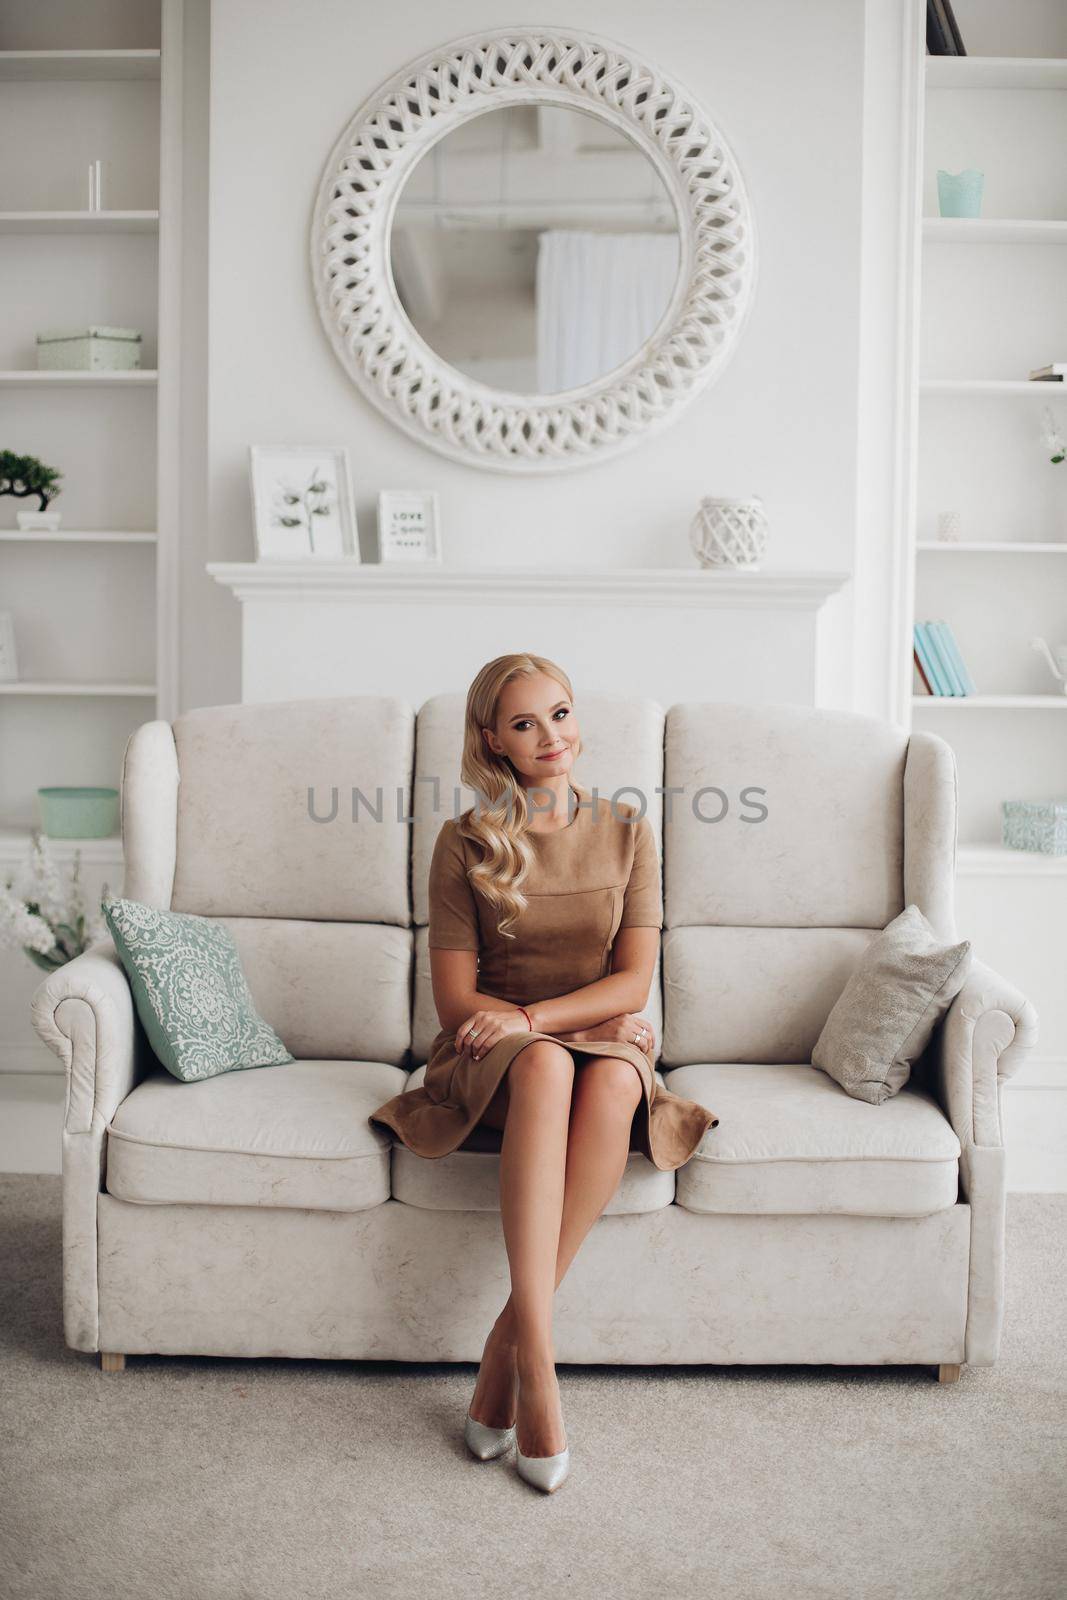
(260, 1213)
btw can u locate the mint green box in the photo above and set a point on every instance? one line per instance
(93, 349)
(1036, 825)
(78, 813)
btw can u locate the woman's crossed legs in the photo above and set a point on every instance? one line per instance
(566, 1139)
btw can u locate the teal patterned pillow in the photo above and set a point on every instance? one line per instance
(190, 992)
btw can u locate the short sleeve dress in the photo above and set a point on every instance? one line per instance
(598, 874)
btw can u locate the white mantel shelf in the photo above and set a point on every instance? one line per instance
(317, 627)
(578, 586)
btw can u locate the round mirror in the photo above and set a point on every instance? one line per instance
(530, 249)
(535, 248)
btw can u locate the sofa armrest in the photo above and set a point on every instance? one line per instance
(84, 1011)
(984, 1038)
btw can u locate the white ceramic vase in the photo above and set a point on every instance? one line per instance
(729, 533)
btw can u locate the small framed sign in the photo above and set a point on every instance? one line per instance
(408, 525)
(302, 503)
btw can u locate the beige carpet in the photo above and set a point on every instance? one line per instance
(199, 1478)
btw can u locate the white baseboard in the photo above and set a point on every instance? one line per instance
(1035, 1118)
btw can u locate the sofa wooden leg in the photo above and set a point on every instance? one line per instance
(948, 1372)
(115, 1361)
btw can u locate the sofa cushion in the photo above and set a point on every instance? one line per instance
(753, 994)
(791, 1140)
(782, 816)
(468, 1179)
(190, 992)
(296, 1136)
(295, 809)
(882, 1020)
(337, 991)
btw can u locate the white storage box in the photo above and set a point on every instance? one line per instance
(95, 349)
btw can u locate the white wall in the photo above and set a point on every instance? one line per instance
(783, 82)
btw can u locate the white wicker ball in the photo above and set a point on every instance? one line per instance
(729, 533)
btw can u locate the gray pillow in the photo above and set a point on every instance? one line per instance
(884, 1017)
(190, 992)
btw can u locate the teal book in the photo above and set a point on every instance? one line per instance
(952, 684)
(948, 642)
(931, 662)
(922, 653)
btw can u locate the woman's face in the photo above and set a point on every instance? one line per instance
(536, 728)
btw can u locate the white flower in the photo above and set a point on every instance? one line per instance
(47, 889)
(41, 916)
(20, 926)
(1051, 436)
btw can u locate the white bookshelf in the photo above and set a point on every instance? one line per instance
(94, 603)
(982, 304)
(990, 308)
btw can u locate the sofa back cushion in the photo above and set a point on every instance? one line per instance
(262, 834)
(770, 902)
(265, 823)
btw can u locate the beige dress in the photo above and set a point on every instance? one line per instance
(598, 874)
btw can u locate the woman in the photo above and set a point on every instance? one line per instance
(544, 927)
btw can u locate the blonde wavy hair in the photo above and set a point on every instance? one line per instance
(501, 827)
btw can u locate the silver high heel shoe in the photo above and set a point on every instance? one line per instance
(485, 1442)
(544, 1472)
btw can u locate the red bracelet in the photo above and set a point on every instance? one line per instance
(526, 1014)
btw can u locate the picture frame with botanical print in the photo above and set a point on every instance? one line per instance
(302, 503)
(409, 526)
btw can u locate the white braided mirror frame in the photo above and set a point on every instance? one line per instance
(398, 371)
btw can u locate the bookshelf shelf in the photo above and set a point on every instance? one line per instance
(1008, 387)
(994, 859)
(55, 66)
(75, 536)
(992, 547)
(142, 377)
(16, 841)
(994, 230)
(996, 72)
(992, 702)
(59, 687)
(79, 222)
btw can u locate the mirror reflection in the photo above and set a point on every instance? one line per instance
(535, 248)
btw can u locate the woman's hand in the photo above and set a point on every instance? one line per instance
(631, 1029)
(483, 1029)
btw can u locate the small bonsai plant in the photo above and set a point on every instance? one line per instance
(25, 476)
(48, 921)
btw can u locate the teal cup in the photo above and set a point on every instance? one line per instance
(959, 194)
